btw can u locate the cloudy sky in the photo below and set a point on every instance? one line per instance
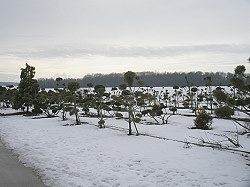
(72, 38)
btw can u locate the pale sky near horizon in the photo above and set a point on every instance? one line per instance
(72, 38)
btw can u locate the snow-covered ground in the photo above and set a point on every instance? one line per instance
(87, 156)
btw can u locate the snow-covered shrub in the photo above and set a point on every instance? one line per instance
(203, 120)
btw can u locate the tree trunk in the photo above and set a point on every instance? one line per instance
(129, 122)
(76, 114)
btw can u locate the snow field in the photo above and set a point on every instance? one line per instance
(88, 156)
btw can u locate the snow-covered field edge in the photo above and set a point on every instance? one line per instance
(88, 156)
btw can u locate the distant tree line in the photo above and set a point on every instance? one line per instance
(9, 84)
(153, 79)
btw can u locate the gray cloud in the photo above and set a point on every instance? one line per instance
(9, 77)
(167, 34)
(126, 51)
(132, 22)
(32, 36)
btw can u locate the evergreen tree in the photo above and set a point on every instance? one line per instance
(61, 91)
(241, 82)
(74, 96)
(27, 90)
(129, 79)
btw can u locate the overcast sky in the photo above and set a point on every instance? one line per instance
(72, 38)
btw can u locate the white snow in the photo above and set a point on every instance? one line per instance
(87, 156)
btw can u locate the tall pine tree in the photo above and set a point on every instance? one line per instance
(27, 89)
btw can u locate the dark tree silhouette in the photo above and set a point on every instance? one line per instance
(73, 97)
(149, 79)
(27, 89)
(129, 79)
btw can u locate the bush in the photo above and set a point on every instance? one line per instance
(203, 120)
(224, 112)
